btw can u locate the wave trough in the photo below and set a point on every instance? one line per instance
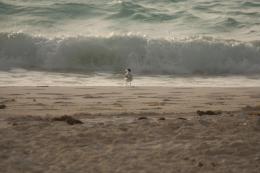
(234, 19)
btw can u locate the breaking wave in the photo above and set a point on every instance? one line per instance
(144, 55)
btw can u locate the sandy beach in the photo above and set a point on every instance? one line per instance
(123, 129)
(128, 86)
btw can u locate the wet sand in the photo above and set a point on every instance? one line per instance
(138, 129)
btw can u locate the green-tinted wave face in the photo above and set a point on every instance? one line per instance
(233, 19)
(204, 55)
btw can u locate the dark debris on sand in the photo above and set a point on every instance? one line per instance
(180, 118)
(68, 119)
(142, 118)
(209, 112)
(252, 108)
(200, 164)
(161, 118)
(2, 106)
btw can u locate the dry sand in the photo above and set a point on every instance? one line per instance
(138, 129)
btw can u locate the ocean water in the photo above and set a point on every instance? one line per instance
(165, 43)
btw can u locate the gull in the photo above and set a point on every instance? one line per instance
(128, 77)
